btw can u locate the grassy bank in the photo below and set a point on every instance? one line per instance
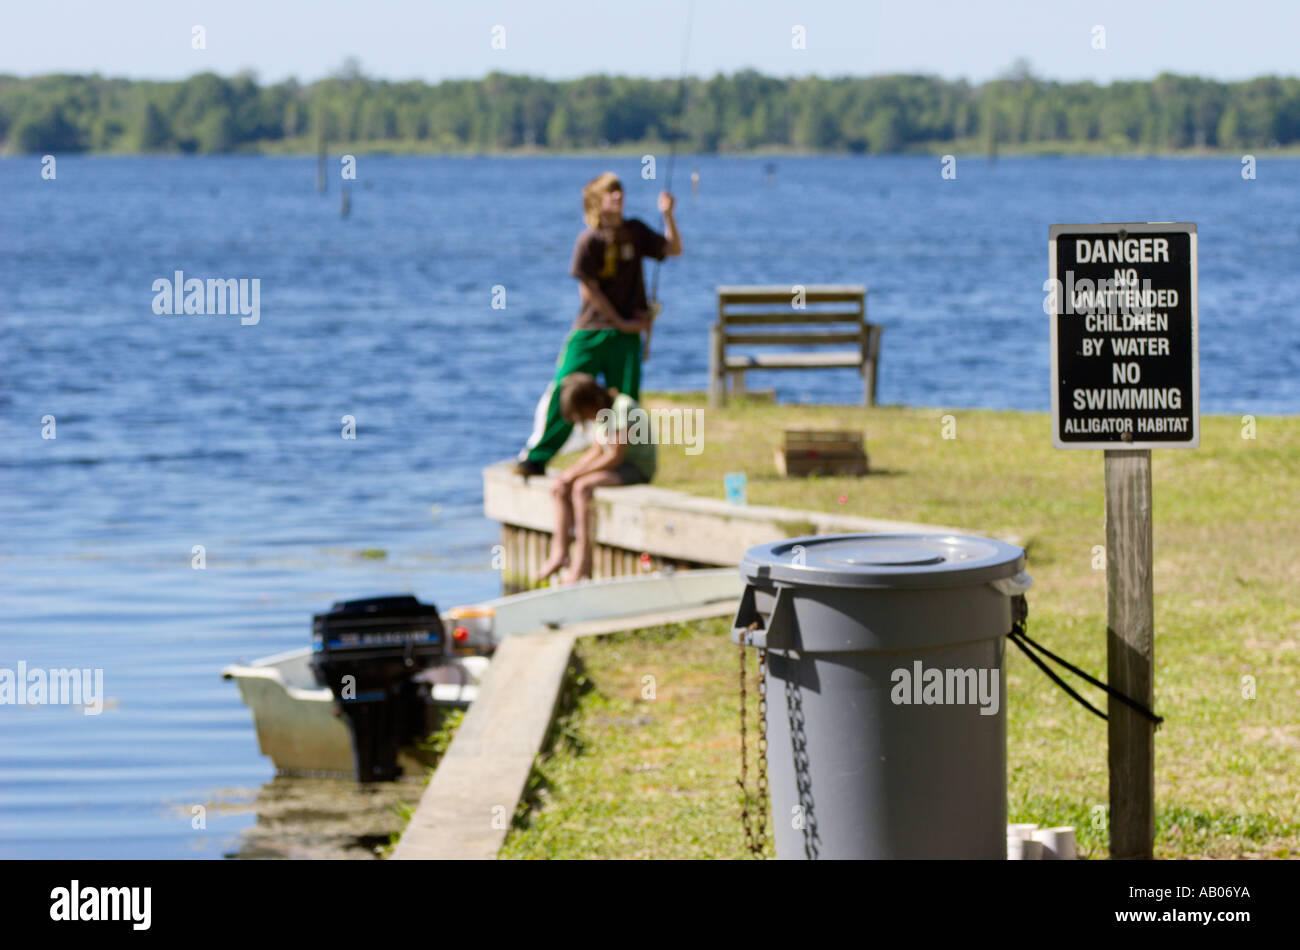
(656, 777)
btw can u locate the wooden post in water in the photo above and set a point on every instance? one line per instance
(320, 160)
(1130, 653)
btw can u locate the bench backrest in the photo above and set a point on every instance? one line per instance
(833, 314)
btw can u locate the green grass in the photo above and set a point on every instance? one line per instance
(436, 744)
(640, 777)
(656, 778)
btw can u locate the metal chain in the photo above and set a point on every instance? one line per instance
(755, 840)
(743, 781)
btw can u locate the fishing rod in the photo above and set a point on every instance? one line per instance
(655, 306)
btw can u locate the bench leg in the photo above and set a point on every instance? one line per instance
(717, 383)
(871, 368)
(738, 382)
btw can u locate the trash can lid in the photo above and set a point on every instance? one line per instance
(884, 560)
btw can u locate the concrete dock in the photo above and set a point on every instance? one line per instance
(643, 528)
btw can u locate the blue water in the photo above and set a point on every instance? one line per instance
(176, 431)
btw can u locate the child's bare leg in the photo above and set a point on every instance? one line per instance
(583, 511)
(563, 526)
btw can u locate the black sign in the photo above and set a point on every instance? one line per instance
(1122, 300)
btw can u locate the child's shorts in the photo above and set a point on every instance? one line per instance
(629, 474)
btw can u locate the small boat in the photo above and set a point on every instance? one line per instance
(297, 720)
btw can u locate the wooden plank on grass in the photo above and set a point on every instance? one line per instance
(466, 809)
(821, 452)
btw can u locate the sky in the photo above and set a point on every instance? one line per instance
(440, 39)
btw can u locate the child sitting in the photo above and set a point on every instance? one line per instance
(613, 459)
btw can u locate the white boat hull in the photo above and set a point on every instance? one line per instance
(296, 727)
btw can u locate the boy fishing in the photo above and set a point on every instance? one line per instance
(606, 336)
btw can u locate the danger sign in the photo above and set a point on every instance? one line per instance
(1122, 302)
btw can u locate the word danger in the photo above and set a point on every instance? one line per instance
(216, 296)
(1148, 250)
(946, 687)
(103, 903)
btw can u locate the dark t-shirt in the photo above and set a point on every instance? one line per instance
(613, 258)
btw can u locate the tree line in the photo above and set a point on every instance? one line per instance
(744, 111)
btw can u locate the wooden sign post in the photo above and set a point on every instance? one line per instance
(1125, 379)
(1130, 652)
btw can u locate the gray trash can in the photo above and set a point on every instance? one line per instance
(886, 694)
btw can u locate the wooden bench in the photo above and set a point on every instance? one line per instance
(768, 316)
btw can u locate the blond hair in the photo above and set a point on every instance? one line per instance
(594, 194)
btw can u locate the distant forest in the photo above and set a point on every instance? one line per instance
(745, 111)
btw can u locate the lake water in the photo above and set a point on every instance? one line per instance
(177, 431)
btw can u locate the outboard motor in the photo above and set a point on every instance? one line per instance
(366, 652)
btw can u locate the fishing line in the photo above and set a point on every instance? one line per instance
(672, 147)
